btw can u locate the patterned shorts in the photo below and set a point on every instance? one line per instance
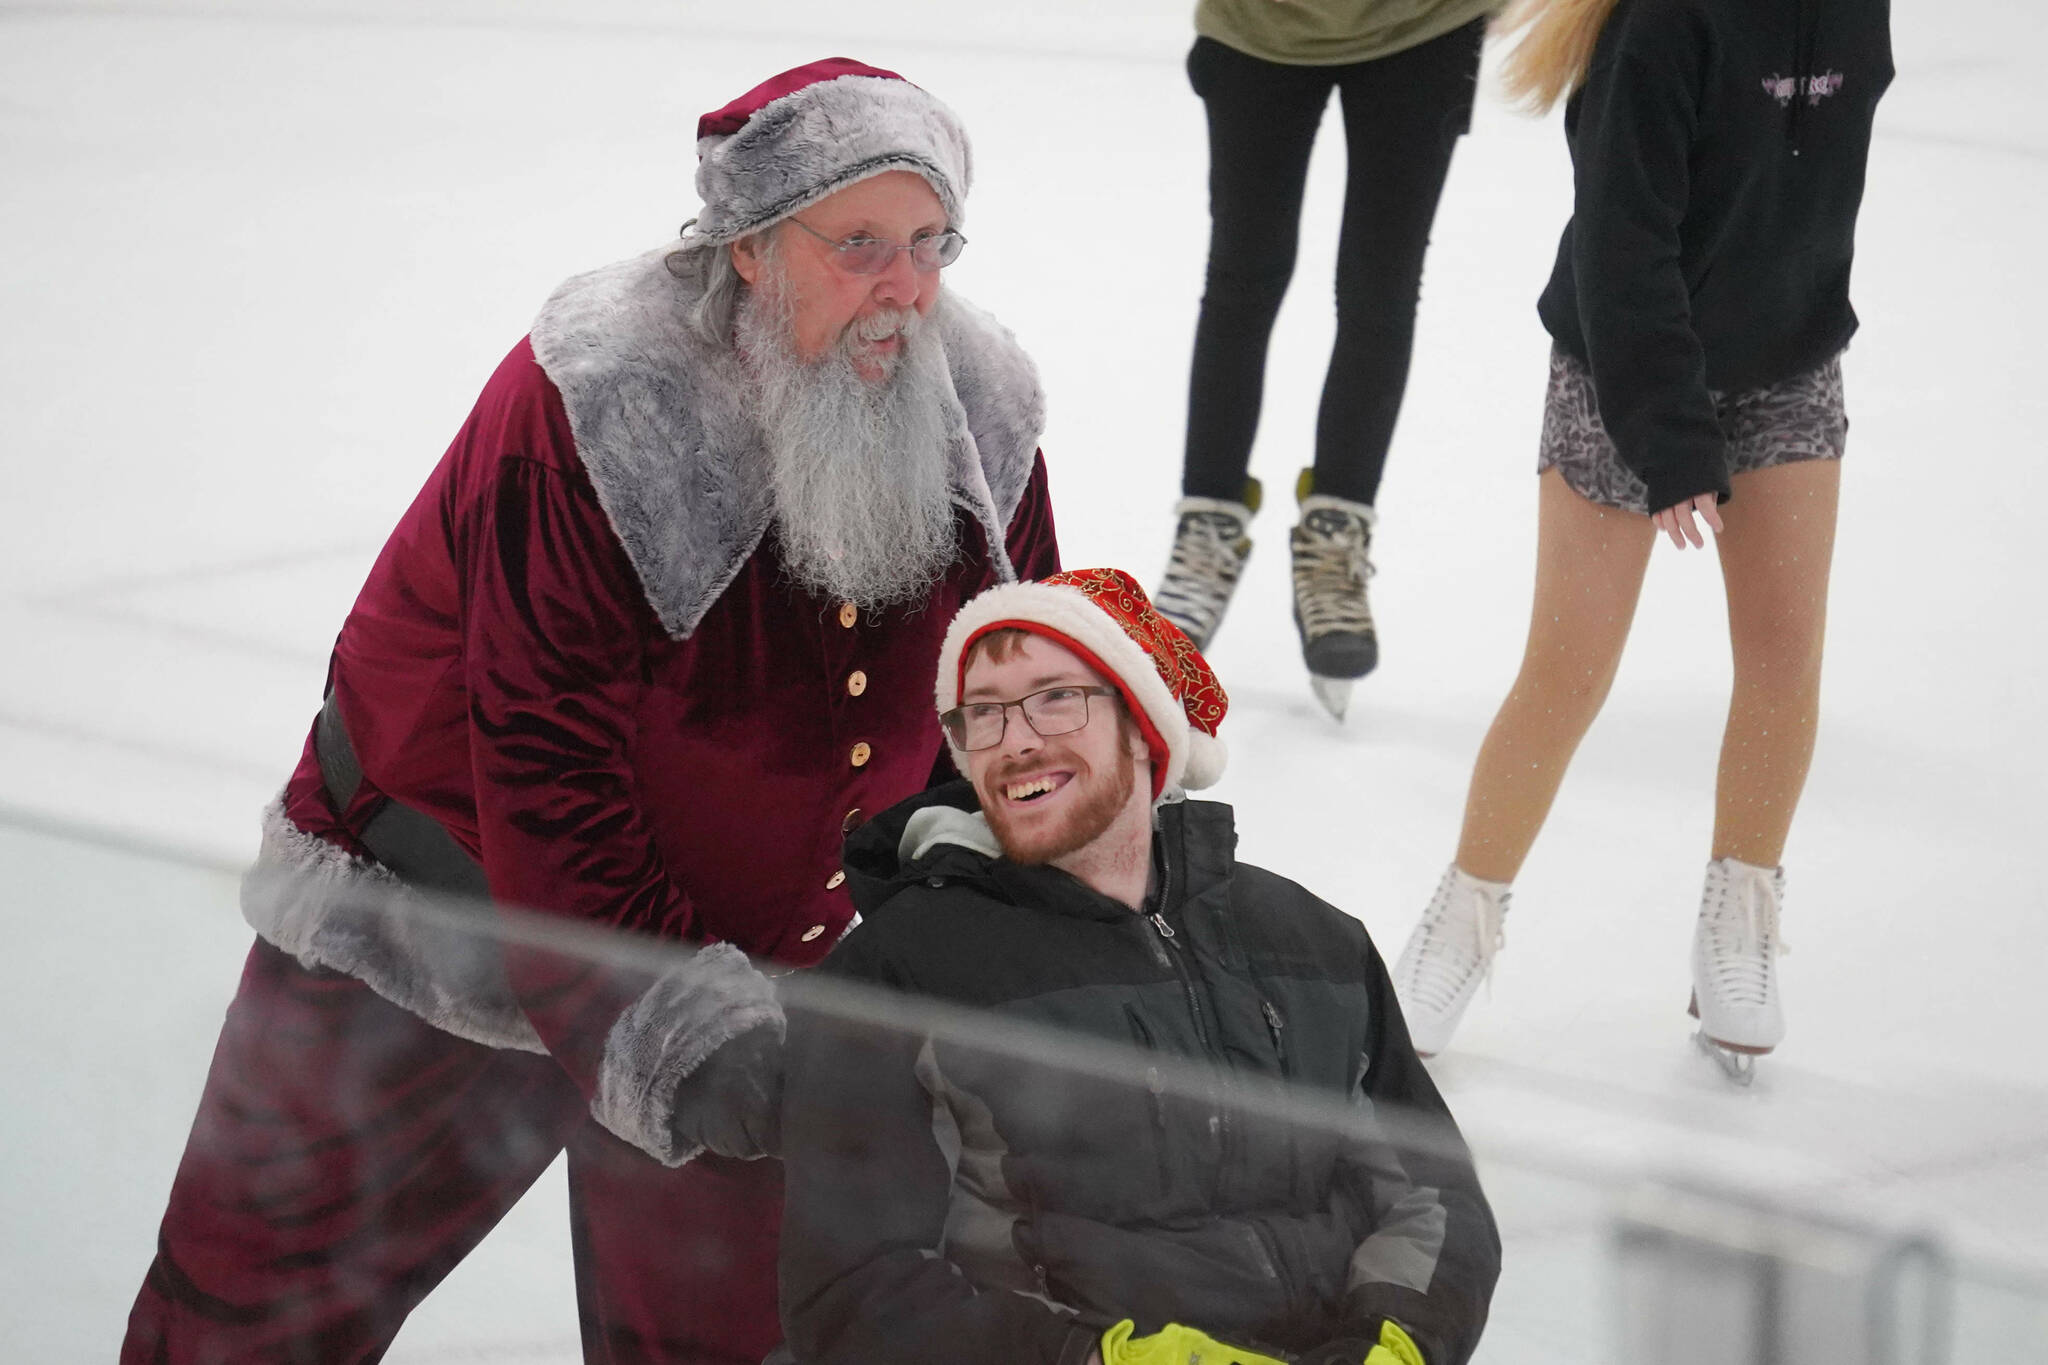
(1801, 418)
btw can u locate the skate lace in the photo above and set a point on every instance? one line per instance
(1742, 937)
(1330, 569)
(1454, 946)
(1201, 571)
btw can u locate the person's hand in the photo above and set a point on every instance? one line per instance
(1676, 521)
(1173, 1344)
(732, 1103)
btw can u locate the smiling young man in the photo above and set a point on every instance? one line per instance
(949, 1202)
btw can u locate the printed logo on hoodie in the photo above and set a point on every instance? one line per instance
(1816, 88)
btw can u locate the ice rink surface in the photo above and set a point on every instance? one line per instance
(259, 257)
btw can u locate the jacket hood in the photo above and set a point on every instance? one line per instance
(1200, 838)
(874, 861)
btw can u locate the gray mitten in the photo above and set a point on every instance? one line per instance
(696, 1062)
(732, 1103)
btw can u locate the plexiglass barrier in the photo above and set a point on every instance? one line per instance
(127, 959)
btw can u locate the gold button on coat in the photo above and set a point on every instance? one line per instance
(813, 932)
(856, 682)
(848, 614)
(862, 752)
(832, 882)
(852, 819)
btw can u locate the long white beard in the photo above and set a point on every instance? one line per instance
(858, 469)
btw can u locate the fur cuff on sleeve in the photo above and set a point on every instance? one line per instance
(328, 908)
(683, 1018)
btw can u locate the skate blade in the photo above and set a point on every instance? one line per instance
(1333, 693)
(1737, 1065)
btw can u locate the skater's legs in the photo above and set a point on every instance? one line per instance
(1403, 116)
(1589, 572)
(673, 1265)
(1262, 124)
(1776, 546)
(345, 1157)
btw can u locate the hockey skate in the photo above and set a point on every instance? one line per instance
(1449, 953)
(1210, 547)
(1735, 947)
(1330, 545)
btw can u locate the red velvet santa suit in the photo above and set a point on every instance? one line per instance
(579, 653)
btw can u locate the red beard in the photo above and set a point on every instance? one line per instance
(1102, 799)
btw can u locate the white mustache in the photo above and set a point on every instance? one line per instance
(888, 322)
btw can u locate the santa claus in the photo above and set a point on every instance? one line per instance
(651, 639)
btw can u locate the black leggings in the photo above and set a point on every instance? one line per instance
(1402, 116)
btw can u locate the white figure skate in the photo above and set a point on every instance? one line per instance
(1449, 953)
(1735, 947)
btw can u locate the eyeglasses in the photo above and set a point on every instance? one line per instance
(861, 254)
(1055, 711)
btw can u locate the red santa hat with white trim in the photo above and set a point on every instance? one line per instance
(812, 131)
(1104, 617)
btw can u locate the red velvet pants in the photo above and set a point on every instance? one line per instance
(347, 1155)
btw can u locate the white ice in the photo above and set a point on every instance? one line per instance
(258, 258)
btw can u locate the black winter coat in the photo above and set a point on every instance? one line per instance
(1718, 153)
(951, 1204)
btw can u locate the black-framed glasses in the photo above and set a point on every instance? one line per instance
(1055, 711)
(861, 254)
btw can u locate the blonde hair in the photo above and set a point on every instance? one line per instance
(1550, 57)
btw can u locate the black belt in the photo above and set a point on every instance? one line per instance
(411, 843)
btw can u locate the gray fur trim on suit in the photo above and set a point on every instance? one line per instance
(683, 1018)
(663, 426)
(816, 141)
(329, 908)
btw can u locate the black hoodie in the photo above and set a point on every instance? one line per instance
(1718, 151)
(948, 1204)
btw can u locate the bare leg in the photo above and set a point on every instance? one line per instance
(1589, 573)
(1776, 548)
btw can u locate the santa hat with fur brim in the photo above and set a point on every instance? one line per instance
(1104, 617)
(812, 131)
